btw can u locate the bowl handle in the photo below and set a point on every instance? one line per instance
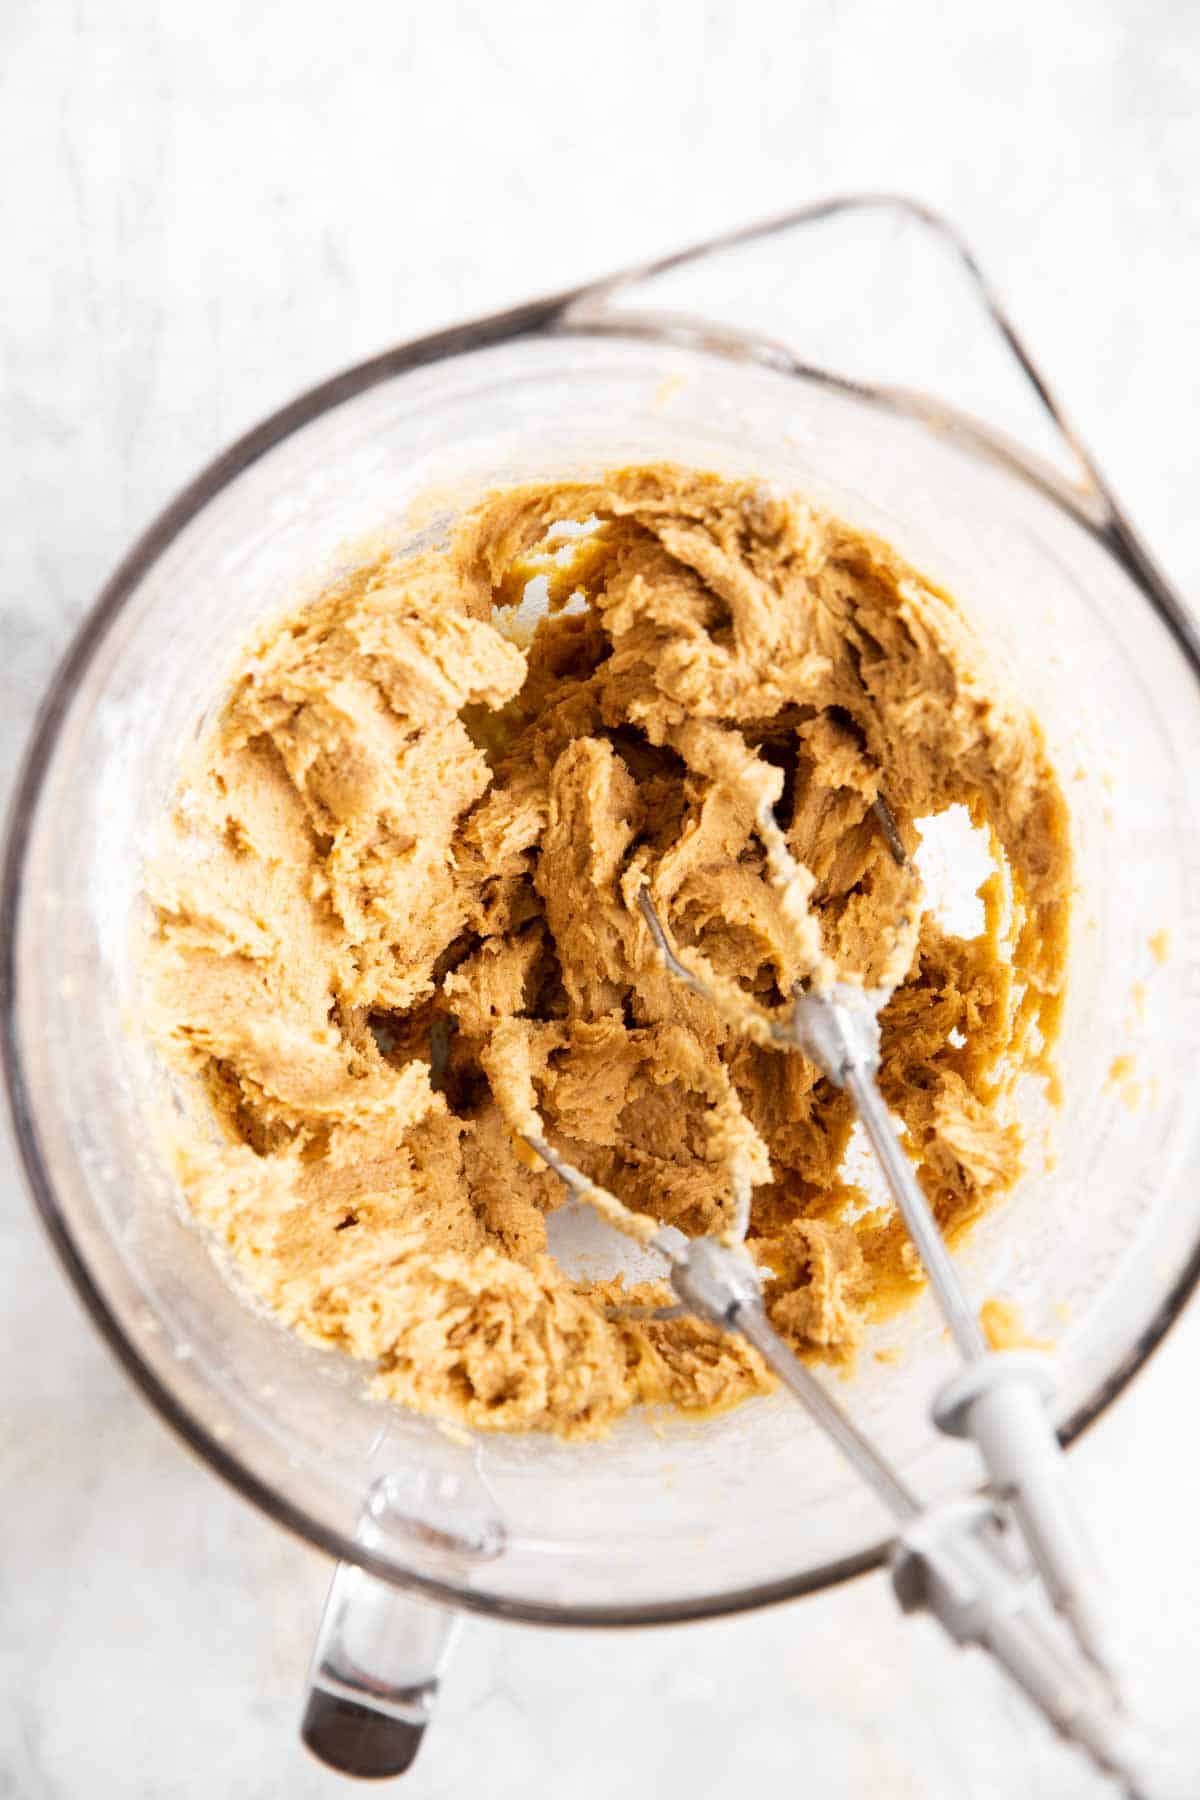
(603, 306)
(377, 1665)
(381, 1647)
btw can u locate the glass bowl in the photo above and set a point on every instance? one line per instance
(667, 1520)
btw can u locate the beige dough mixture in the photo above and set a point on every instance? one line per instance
(395, 890)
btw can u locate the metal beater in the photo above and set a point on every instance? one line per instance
(964, 1560)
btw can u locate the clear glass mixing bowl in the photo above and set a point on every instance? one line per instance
(667, 1520)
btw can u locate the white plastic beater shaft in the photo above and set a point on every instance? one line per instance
(977, 1600)
(944, 1561)
(1002, 1404)
(1000, 1400)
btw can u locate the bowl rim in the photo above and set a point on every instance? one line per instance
(543, 317)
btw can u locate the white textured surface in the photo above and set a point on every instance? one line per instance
(203, 210)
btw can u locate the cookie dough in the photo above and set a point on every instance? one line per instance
(392, 906)
(1005, 1329)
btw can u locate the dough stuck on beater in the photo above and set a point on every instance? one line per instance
(396, 919)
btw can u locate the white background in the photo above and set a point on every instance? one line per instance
(205, 207)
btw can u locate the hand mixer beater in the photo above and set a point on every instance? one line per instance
(966, 1561)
